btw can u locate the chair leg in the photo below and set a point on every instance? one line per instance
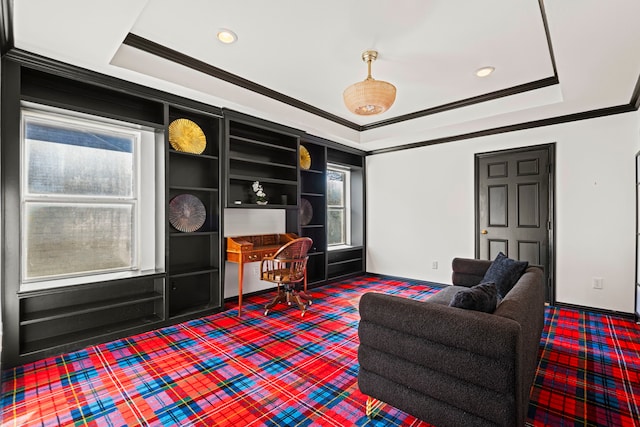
(281, 297)
(305, 296)
(301, 304)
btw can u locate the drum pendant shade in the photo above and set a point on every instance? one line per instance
(370, 96)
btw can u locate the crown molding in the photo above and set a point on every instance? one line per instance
(169, 54)
(526, 87)
(591, 114)
(38, 62)
(164, 52)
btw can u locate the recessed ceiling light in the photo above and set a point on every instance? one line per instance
(484, 71)
(227, 36)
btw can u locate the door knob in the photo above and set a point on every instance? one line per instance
(484, 232)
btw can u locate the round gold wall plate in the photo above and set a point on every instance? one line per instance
(187, 136)
(305, 158)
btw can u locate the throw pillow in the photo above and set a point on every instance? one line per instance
(504, 272)
(482, 297)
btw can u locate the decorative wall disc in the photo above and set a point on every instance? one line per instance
(186, 136)
(186, 213)
(305, 158)
(306, 211)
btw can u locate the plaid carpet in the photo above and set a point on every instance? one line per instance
(283, 370)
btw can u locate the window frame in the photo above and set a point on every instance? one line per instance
(346, 208)
(144, 257)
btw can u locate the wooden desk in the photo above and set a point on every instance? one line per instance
(244, 249)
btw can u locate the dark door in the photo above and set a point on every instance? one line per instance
(514, 207)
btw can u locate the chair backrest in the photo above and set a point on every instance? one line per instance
(295, 249)
(288, 264)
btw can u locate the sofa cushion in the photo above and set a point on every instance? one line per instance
(504, 272)
(482, 297)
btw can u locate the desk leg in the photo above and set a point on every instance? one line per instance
(240, 278)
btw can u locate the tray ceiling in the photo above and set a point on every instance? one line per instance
(293, 59)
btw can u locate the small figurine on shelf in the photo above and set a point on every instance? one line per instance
(261, 197)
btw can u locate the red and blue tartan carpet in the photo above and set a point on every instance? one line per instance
(282, 370)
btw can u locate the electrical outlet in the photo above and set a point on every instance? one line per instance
(598, 282)
(256, 268)
(434, 265)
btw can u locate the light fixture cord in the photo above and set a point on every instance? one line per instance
(369, 69)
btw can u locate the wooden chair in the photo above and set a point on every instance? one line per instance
(288, 267)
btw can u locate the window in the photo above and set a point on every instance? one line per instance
(82, 201)
(338, 205)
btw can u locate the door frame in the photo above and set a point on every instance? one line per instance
(551, 151)
(636, 285)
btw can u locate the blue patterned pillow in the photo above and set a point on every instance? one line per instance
(504, 272)
(482, 297)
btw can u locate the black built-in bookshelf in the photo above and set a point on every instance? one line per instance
(257, 150)
(239, 149)
(313, 188)
(194, 285)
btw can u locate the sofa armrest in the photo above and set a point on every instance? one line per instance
(477, 332)
(468, 272)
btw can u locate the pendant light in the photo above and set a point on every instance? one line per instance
(370, 96)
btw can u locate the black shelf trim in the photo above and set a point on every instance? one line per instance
(72, 72)
(267, 206)
(84, 335)
(312, 226)
(192, 272)
(261, 162)
(316, 171)
(347, 248)
(203, 111)
(202, 156)
(196, 309)
(186, 188)
(346, 261)
(60, 313)
(84, 286)
(193, 233)
(339, 277)
(312, 194)
(263, 143)
(95, 112)
(316, 253)
(315, 282)
(262, 179)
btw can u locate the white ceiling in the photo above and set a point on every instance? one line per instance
(311, 51)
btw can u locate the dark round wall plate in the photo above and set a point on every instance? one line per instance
(306, 211)
(186, 213)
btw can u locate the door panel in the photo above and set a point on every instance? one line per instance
(498, 205)
(529, 251)
(528, 206)
(528, 167)
(497, 246)
(513, 206)
(497, 170)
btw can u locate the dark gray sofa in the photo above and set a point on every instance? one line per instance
(450, 366)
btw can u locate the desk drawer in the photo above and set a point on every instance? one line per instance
(258, 255)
